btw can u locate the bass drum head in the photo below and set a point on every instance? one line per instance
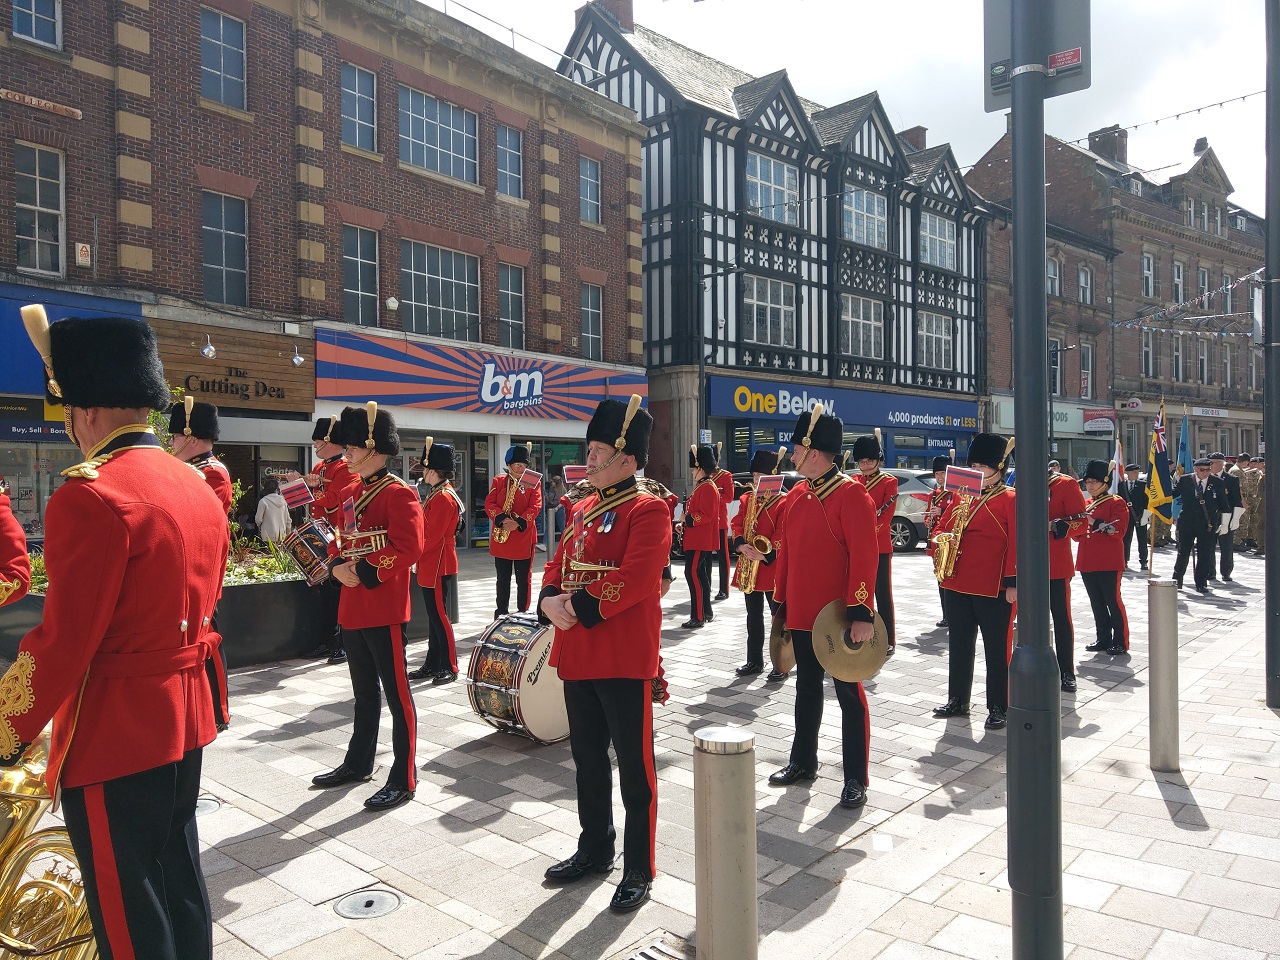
(540, 700)
(510, 683)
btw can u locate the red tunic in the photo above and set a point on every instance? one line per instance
(135, 547)
(1098, 551)
(217, 476)
(440, 513)
(525, 508)
(723, 480)
(988, 557)
(382, 597)
(620, 615)
(337, 485)
(769, 523)
(1065, 500)
(827, 551)
(15, 565)
(702, 516)
(883, 488)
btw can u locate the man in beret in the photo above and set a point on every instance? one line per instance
(1204, 500)
(513, 507)
(1225, 540)
(135, 548)
(1134, 492)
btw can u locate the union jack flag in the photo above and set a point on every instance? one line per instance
(1159, 484)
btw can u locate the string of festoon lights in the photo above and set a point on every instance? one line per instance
(1175, 313)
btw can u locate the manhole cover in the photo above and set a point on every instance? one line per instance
(659, 945)
(367, 904)
(207, 805)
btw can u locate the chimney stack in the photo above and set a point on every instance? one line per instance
(915, 136)
(621, 11)
(1202, 146)
(1111, 142)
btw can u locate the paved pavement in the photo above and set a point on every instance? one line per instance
(1168, 866)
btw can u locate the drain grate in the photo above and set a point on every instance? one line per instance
(367, 904)
(659, 945)
(207, 804)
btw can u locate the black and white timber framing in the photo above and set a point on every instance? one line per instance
(703, 243)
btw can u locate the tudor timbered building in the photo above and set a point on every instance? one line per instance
(792, 254)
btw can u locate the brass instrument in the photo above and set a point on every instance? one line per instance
(361, 543)
(836, 652)
(745, 575)
(947, 545)
(580, 574)
(500, 535)
(42, 904)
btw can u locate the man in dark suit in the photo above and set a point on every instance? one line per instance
(1134, 491)
(1204, 499)
(1226, 532)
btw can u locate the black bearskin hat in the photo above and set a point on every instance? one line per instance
(988, 449)
(329, 429)
(623, 426)
(827, 435)
(941, 463)
(437, 456)
(867, 448)
(1099, 470)
(704, 455)
(518, 453)
(354, 426)
(107, 362)
(764, 461)
(204, 420)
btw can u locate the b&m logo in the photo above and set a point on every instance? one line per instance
(511, 391)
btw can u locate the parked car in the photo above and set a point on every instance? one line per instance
(907, 529)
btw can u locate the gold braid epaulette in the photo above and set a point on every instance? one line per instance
(7, 589)
(87, 469)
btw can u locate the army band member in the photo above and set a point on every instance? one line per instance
(135, 548)
(15, 565)
(1134, 492)
(438, 565)
(513, 510)
(828, 553)
(1230, 519)
(701, 534)
(193, 426)
(982, 588)
(759, 518)
(602, 591)
(723, 480)
(939, 497)
(868, 455)
(374, 565)
(1100, 559)
(332, 484)
(1066, 517)
(1204, 500)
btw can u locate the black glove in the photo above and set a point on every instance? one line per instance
(1060, 529)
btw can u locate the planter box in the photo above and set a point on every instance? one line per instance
(260, 622)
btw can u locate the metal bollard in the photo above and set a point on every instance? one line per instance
(724, 838)
(1162, 648)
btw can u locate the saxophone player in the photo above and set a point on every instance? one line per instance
(757, 537)
(977, 569)
(513, 512)
(939, 497)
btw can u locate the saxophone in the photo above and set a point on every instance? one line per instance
(947, 545)
(748, 569)
(500, 535)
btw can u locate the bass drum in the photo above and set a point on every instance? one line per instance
(511, 684)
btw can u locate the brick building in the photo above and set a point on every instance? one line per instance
(1179, 304)
(346, 199)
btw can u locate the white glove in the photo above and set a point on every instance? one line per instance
(1236, 514)
(1224, 526)
(1144, 518)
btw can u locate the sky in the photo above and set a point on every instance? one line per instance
(1151, 59)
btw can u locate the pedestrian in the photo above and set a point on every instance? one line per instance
(700, 534)
(1134, 492)
(1099, 556)
(602, 591)
(1230, 519)
(1204, 500)
(272, 516)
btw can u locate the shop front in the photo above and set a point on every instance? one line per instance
(1079, 433)
(1230, 430)
(479, 401)
(747, 413)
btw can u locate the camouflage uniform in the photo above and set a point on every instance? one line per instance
(1249, 531)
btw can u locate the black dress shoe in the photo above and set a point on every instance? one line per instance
(444, 676)
(722, 595)
(631, 893)
(1117, 650)
(1202, 588)
(577, 867)
(692, 625)
(776, 676)
(995, 719)
(710, 616)
(422, 673)
(340, 775)
(338, 656)
(387, 798)
(1226, 579)
(223, 727)
(893, 648)
(319, 653)
(1179, 583)
(853, 795)
(791, 773)
(1068, 683)
(952, 708)
(1095, 647)
(941, 623)
(750, 670)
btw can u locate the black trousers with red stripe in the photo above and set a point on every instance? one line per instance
(1064, 630)
(1109, 614)
(330, 592)
(376, 659)
(135, 840)
(697, 574)
(855, 715)
(756, 630)
(723, 560)
(617, 711)
(884, 595)
(441, 652)
(523, 570)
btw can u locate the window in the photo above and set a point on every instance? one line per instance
(1148, 275)
(437, 135)
(861, 327)
(1177, 357)
(1179, 287)
(768, 312)
(1084, 277)
(937, 241)
(1191, 213)
(38, 20)
(1134, 444)
(225, 238)
(360, 276)
(592, 321)
(1135, 186)
(1217, 215)
(1224, 442)
(221, 58)
(38, 213)
(933, 341)
(510, 161)
(440, 290)
(1202, 360)
(1055, 366)
(1202, 280)
(1241, 223)
(1148, 354)
(1204, 215)
(1228, 356)
(511, 306)
(1086, 371)
(1051, 285)
(588, 190)
(866, 220)
(1253, 369)
(359, 123)
(773, 189)
(1226, 293)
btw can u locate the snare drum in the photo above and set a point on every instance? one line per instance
(307, 545)
(511, 684)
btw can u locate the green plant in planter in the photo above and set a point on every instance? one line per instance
(250, 562)
(39, 579)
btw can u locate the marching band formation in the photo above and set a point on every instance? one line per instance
(128, 656)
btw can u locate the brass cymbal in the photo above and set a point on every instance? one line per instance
(781, 652)
(843, 661)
